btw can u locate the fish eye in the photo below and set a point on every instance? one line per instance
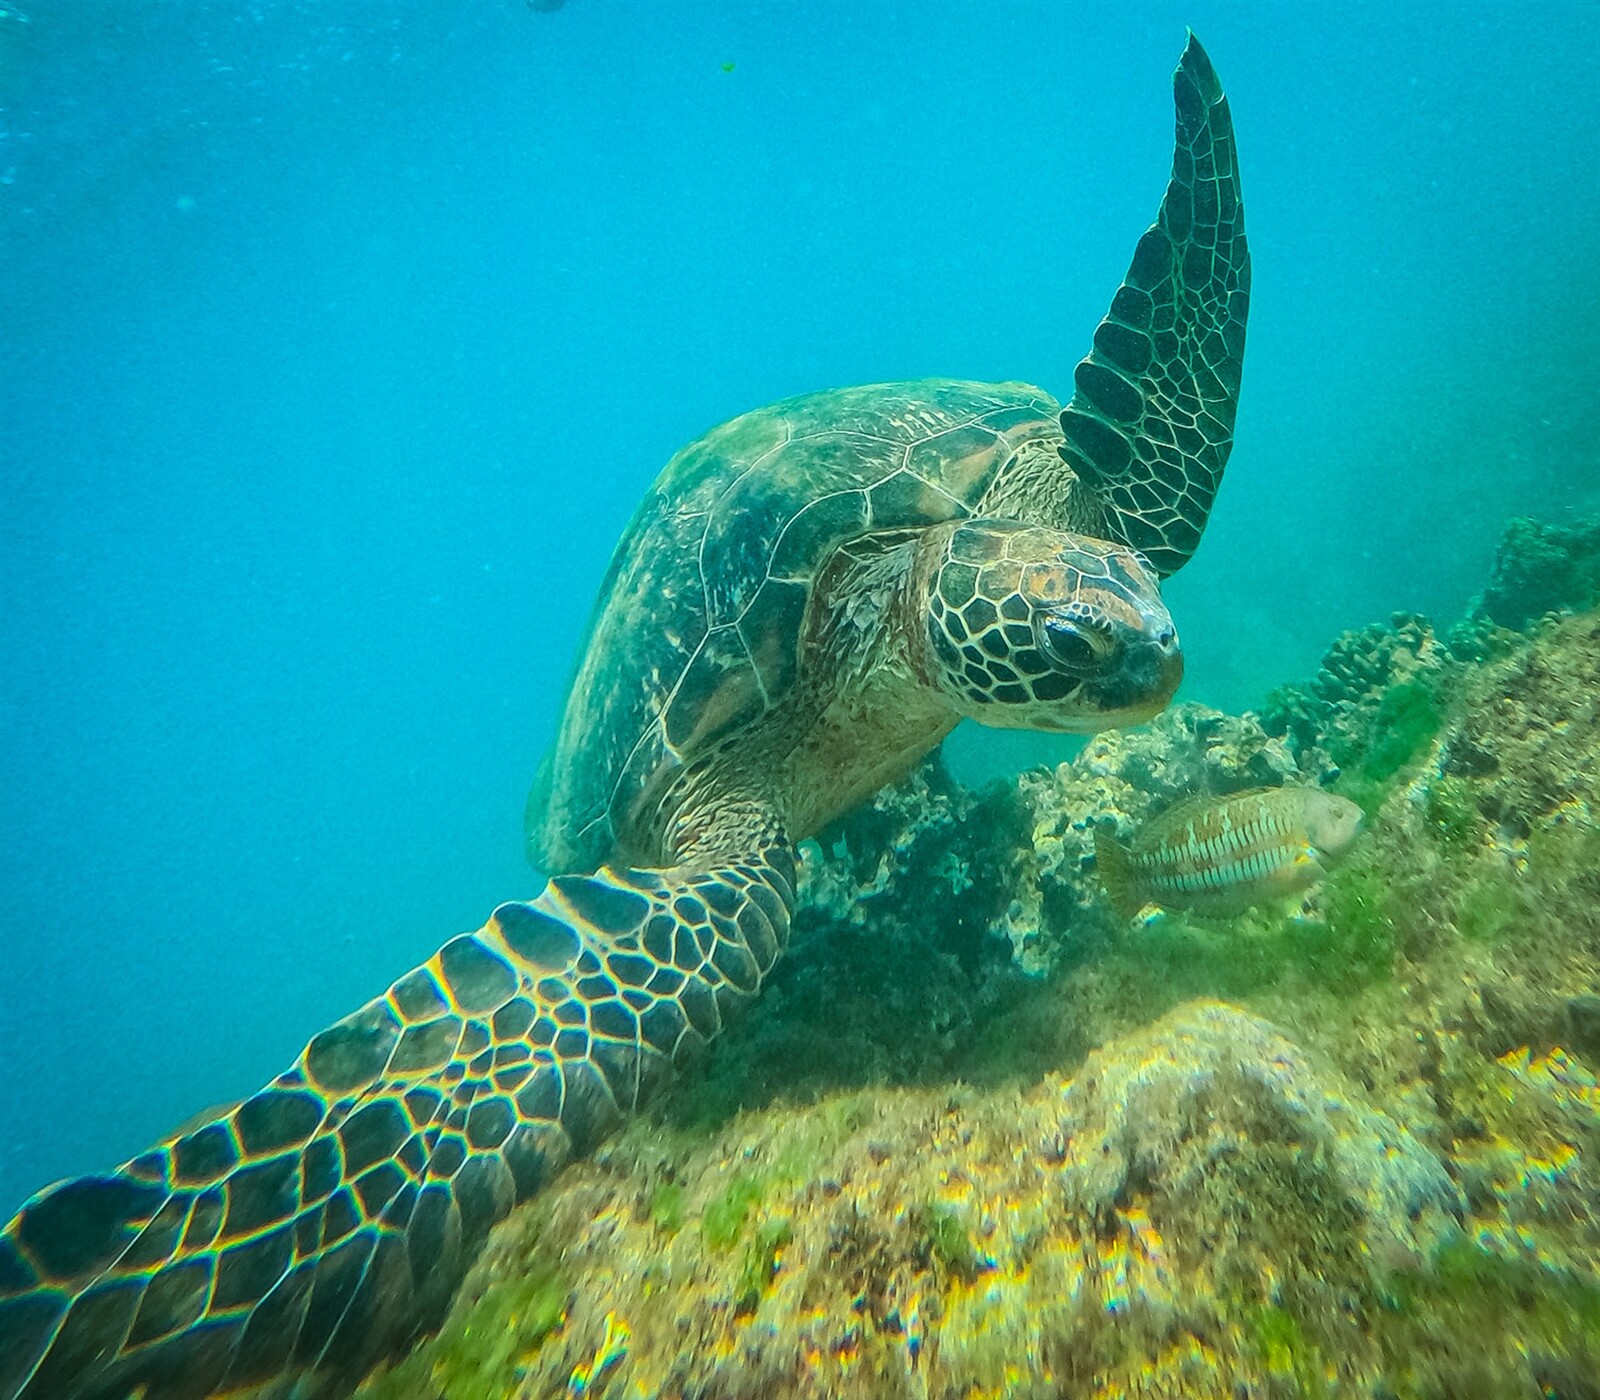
(1073, 645)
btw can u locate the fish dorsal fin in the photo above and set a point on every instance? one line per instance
(1195, 805)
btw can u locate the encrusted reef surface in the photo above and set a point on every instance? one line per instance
(982, 1138)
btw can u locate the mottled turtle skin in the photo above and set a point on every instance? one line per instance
(811, 596)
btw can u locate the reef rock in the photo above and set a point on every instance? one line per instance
(1147, 1226)
(1371, 703)
(1208, 1091)
(1528, 738)
(1541, 569)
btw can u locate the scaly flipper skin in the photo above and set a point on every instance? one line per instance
(1150, 425)
(320, 1224)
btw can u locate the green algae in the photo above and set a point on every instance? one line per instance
(1451, 810)
(482, 1351)
(1496, 904)
(1348, 945)
(666, 1207)
(1407, 720)
(1523, 1313)
(947, 1239)
(1279, 1344)
(1556, 1304)
(760, 1262)
(724, 1219)
(1364, 913)
(1489, 909)
(802, 1153)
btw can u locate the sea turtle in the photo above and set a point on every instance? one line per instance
(807, 601)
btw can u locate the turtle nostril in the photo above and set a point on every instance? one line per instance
(1167, 637)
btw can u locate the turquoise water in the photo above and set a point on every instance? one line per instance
(339, 341)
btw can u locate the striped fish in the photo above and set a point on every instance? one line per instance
(1222, 855)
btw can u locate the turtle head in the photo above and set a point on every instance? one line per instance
(1032, 628)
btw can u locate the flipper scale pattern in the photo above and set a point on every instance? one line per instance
(1150, 423)
(322, 1223)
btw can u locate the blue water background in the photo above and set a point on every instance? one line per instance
(337, 342)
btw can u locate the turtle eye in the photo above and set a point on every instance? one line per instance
(1072, 644)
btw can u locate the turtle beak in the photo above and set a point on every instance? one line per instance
(1147, 672)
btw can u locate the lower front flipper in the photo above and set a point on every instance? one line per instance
(323, 1223)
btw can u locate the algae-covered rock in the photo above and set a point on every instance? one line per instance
(1527, 744)
(1164, 1111)
(1203, 1205)
(1376, 701)
(1540, 569)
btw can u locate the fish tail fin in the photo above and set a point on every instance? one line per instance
(1115, 865)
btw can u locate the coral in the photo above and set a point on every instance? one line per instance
(1540, 569)
(1372, 705)
(925, 836)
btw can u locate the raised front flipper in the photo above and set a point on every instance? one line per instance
(322, 1223)
(1150, 423)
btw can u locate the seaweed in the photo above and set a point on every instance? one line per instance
(481, 1351)
(1364, 916)
(724, 1219)
(1347, 945)
(666, 1207)
(1281, 1347)
(945, 1237)
(1406, 721)
(1472, 1291)
(1452, 810)
(760, 1262)
(1408, 717)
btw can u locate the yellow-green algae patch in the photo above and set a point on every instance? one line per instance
(484, 1347)
(1346, 1150)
